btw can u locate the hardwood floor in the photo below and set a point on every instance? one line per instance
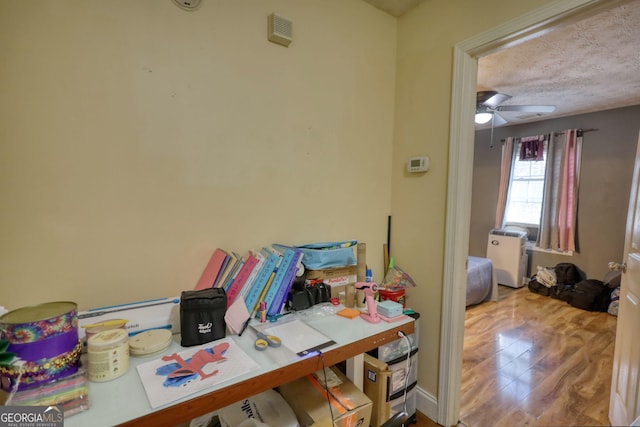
(423, 421)
(531, 360)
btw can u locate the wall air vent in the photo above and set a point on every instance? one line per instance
(280, 30)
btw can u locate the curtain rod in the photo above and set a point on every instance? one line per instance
(562, 132)
(579, 130)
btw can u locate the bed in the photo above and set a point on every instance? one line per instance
(481, 282)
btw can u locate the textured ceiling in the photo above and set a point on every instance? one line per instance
(591, 65)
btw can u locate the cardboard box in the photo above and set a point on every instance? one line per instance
(337, 278)
(308, 398)
(377, 377)
(384, 383)
(337, 289)
(334, 273)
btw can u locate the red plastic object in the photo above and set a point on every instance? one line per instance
(396, 295)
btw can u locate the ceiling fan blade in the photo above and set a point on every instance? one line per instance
(498, 120)
(528, 108)
(491, 98)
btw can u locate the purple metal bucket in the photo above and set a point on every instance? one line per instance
(45, 337)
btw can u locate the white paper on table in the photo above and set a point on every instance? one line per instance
(299, 337)
(229, 363)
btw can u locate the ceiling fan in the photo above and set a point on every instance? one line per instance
(488, 104)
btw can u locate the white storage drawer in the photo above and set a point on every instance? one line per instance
(397, 404)
(398, 348)
(399, 375)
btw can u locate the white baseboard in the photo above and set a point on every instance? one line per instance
(426, 403)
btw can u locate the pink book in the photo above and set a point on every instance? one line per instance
(210, 273)
(241, 278)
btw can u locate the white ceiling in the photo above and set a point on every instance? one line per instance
(588, 66)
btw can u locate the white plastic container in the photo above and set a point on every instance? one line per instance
(150, 342)
(396, 404)
(108, 355)
(399, 373)
(398, 348)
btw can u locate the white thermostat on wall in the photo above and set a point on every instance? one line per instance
(418, 164)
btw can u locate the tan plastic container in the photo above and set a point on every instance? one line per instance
(108, 355)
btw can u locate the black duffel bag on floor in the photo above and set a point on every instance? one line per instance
(563, 292)
(591, 295)
(567, 273)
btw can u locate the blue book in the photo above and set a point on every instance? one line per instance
(283, 292)
(254, 274)
(278, 280)
(258, 285)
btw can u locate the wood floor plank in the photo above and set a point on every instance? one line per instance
(536, 361)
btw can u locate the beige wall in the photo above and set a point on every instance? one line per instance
(136, 137)
(426, 38)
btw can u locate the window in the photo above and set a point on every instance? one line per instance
(539, 177)
(526, 190)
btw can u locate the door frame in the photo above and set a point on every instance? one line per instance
(461, 146)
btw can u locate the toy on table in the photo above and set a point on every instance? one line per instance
(372, 312)
(396, 277)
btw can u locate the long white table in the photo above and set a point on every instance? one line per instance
(123, 400)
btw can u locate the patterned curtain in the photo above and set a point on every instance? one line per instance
(532, 148)
(505, 173)
(560, 202)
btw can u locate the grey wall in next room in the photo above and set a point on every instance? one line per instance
(605, 181)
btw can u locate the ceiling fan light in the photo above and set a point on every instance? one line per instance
(482, 118)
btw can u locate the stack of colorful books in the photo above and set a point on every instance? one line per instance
(265, 275)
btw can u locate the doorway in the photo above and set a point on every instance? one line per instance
(462, 136)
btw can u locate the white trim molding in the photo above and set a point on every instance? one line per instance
(461, 140)
(426, 403)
